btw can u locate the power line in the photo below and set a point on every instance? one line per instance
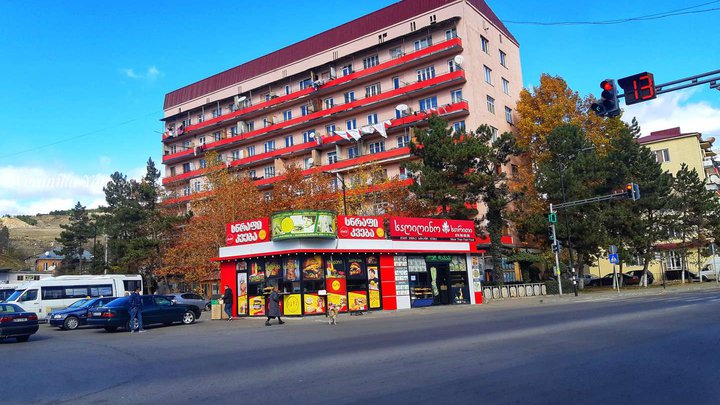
(72, 138)
(656, 16)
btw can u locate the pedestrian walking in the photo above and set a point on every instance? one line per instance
(228, 301)
(274, 306)
(136, 312)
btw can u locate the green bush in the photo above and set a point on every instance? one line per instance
(27, 219)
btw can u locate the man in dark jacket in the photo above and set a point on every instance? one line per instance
(274, 307)
(228, 301)
(136, 311)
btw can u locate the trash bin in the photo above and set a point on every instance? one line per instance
(217, 310)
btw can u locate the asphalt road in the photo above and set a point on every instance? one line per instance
(661, 348)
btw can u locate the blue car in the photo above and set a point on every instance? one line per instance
(77, 313)
(17, 323)
(155, 309)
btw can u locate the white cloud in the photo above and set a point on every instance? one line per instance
(151, 74)
(675, 110)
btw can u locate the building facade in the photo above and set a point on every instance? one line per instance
(347, 96)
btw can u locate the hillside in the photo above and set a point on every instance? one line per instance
(29, 240)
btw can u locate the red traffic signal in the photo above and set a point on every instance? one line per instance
(606, 85)
(638, 88)
(632, 191)
(608, 105)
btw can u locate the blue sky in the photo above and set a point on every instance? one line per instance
(83, 82)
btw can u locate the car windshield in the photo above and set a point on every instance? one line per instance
(120, 302)
(79, 303)
(14, 296)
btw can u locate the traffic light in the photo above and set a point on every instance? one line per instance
(638, 88)
(632, 191)
(608, 105)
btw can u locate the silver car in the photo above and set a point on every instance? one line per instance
(190, 298)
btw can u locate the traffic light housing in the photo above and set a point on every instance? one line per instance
(632, 191)
(608, 105)
(638, 88)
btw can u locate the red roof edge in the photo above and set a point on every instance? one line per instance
(323, 41)
(670, 131)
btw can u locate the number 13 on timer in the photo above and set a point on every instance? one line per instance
(638, 88)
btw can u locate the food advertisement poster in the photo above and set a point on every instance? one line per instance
(273, 268)
(257, 274)
(373, 280)
(292, 304)
(314, 304)
(357, 301)
(374, 299)
(360, 227)
(257, 305)
(355, 267)
(304, 224)
(334, 268)
(242, 300)
(432, 229)
(292, 269)
(336, 291)
(312, 268)
(248, 231)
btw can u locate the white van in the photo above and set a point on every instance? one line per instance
(45, 295)
(710, 268)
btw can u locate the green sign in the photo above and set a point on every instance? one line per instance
(438, 258)
(303, 224)
(552, 217)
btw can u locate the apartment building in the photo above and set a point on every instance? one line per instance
(349, 95)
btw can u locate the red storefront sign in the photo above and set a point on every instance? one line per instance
(360, 227)
(432, 229)
(248, 231)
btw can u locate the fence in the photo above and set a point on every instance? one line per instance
(514, 291)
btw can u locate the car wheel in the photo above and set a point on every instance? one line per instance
(188, 317)
(23, 338)
(110, 328)
(71, 323)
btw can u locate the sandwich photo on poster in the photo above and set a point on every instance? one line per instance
(257, 274)
(273, 268)
(292, 269)
(355, 267)
(312, 268)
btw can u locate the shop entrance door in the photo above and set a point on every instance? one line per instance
(442, 283)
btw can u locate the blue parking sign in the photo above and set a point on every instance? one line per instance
(614, 259)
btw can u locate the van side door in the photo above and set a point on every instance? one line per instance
(30, 301)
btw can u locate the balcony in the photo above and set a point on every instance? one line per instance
(446, 111)
(414, 89)
(449, 46)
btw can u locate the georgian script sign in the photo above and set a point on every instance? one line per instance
(432, 229)
(350, 227)
(248, 231)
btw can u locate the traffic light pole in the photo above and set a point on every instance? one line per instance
(557, 254)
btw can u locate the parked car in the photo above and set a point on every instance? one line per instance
(677, 275)
(156, 309)
(76, 314)
(639, 274)
(17, 323)
(190, 298)
(587, 279)
(608, 280)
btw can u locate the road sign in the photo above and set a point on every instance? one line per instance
(614, 258)
(613, 249)
(552, 217)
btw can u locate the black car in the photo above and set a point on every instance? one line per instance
(608, 280)
(639, 274)
(156, 309)
(76, 314)
(16, 323)
(678, 275)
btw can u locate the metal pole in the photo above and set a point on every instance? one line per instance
(343, 191)
(557, 255)
(569, 236)
(715, 267)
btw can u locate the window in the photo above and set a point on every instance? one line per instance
(347, 69)
(372, 119)
(372, 90)
(396, 82)
(459, 126)
(287, 115)
(674, 260)
(371, 61)
(305, 83)
(488, 74)
(450, 34)
(217, 112)
(186, 190)
(494, 134)
(349, 97)
(251, 150)
(396, 52)
(235, 154)
(201, 140)
(269, 171)
(485, 44)
(428, 103)
(662, 155)
(403, 140)
(203, 163)
(503, 58)
(508, 115)
(351, 124)
(287, 89)
(514, 170)
(216, 136)
(173, 148)
(332, 157)
(186, 167)
(506, 86)
(405, 173)
(201, 117)
(197, 187)
(309, 136)
(250, 125)
(308, 162)
(234, 130)
(456, 96)
(252, 174)
(231, 107)
(426, 73)
(353, 152)
(288, 141)
(172, 171)
(423, 43)
(330, 129)
(187, 122)
(452, 66)
(270, 146)
(304, 110)
(268, 97)
(329, 103)
(377, 147)
(491, 104)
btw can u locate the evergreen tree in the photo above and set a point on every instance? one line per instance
(74, 237)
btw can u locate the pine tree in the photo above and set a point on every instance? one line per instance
(74, 237)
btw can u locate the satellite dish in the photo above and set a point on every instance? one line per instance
(311, 135)
(715, 179)
(402, 107)
(459, 59)
(310, 161)
(241, 99)
(47, 253)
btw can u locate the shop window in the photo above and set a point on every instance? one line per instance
(357, 284)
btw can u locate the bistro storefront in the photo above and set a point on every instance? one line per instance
(318, 259)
